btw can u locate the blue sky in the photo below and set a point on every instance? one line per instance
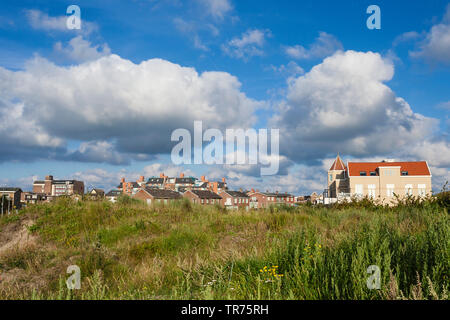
(270, 63)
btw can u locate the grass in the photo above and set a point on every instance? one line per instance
(129, 250)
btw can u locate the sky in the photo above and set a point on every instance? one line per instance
(100, 103)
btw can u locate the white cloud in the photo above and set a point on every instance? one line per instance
(435, 48)
(324, 45)
(81, 50)
(138, 105)
(248, 45)
(217, 8)
(342, 105)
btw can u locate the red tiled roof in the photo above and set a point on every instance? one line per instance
(416, 168)
(338, 164)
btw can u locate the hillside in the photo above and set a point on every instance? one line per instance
(180, 251)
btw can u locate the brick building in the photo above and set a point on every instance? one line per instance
(235, 199)
(203, 197)
(51, 187)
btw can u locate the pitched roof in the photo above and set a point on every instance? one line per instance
(414, 168)
(9, 189)
(338, 164)
(237, 194)
(206, 194)
(155, 181)
(162, 193)
(114, 193)
(185, 180)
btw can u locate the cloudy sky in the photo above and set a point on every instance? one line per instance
(101, 102)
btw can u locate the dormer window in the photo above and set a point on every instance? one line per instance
(363, 173)
(404, 173)
(373, 173)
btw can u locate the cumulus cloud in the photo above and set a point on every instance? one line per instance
(324, 45)
(248, 45)
(136, 105)
(81, 50)
(342, 105)
(435, 48)
(23, 139)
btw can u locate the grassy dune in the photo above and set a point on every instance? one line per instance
(181, 251)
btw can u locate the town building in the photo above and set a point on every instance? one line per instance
(33, 198)
(154, 195)
(10, 199)
(113, 195)
(378, 180)
(129, 188)
(57, 188)
(203, 197)
(97, 193)
(235, 199)
(265, 199)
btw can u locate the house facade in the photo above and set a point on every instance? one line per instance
(235, 200)
(379, 180)
(154, 195)
(266, 199)
(113, 195)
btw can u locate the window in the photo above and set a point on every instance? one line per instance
(331, 177)
(390, 190)
(235, 200)
(359, 189)
(422, 189)
(371, 188)
(404, 173)
(408, 189)
(373, 173)
(363, 173)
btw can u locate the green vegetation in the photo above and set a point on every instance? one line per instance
(183, 251)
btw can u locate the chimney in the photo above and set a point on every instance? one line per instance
(141, 179)
(161, 175)
(240, 189)
(216, 187)
(203, 178)
(122, 180)
(49, 178)
(223, 180)
(257, 190)
(253, 190)
(182, 175)
(276, 192)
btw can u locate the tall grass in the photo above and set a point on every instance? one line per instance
(130, 250)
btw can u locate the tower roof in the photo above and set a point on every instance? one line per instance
(338, 164)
